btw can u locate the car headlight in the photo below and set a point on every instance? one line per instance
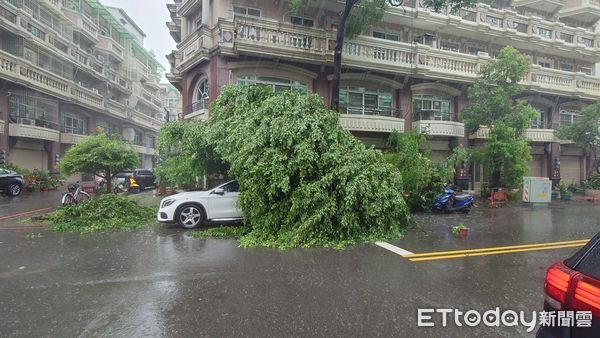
(166, 203)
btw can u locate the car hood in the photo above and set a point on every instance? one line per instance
(189, 195)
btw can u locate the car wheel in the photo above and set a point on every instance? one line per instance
(14, 189)
(190, 216)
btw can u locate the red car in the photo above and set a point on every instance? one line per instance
(574, 285)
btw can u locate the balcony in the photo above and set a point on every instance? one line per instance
(83, 24)
(32, 128)
(532, 134)
(70, 138)
(587, 11)
(440, 128)
(548, 6)
(144, 120)
(506, 27)
(197, 110)
(264, 38)
(371, 123)
(111, 46)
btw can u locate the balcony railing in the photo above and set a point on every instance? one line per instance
(362, 110)
(196, 106)
(371, 123)
(440, 128)
(262, 37)
(544, 135)
(36, 128)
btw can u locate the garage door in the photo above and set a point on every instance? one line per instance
(570, 169)
(439, 156)
(536, 166)
(29, 159)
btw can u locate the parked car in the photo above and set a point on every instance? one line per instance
(11, 183)
(574, 285)
(192, 209)
(145, 178)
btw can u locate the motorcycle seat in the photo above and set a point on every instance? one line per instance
(462, 197)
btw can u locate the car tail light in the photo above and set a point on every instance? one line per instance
(587, 295)
(558, 278)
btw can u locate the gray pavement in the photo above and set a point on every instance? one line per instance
(162, 282)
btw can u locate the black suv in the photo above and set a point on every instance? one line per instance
(10, 182)
(144, 177)
(574, 285)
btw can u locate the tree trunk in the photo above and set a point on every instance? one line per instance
(337, 56)
(108, 179)
(496, 179)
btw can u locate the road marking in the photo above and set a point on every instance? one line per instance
(539, 248)
(394, 248)
(499, 248)
(24, 213)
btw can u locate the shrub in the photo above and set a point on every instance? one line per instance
(105, 213)
(593, 182)
(304, 180)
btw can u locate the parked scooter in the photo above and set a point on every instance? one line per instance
(450, 201)
(126, 185)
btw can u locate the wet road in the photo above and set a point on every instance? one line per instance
(30, 201)
(162, 282)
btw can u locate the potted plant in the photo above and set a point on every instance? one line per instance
(565, 194)
(461, 231)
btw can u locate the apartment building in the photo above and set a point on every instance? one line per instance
(171, 99)
(69, 68)
(411, 70)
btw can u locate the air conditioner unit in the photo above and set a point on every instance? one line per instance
(27, 121)
(95, 90)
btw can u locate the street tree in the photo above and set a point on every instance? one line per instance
(585, 132)
(185, 153)
(304, 180)
(358, 16)
(99, 155)
(493, 104)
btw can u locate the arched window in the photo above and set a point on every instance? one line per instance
(431, 107)
(278, 84)
(202, 91)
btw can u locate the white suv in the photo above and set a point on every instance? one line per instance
(191, 209)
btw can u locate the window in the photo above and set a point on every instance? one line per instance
(72, 124)
(137, 138)
(493, 21)
(301, 21)
(108, 128)
(278, 84)
(568, 116)
(246, 11)
(587, 42)
(231, 187)
(202, 91)
(545, 64)
(590, 264)
(450, 46)
(38, 33)
(566, 67)
(566, 37)
(386, 36)
(543, 32)
(431, 107)
(538, 121)
(365, 101)
(586, 70)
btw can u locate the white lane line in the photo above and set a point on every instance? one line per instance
(393, 248)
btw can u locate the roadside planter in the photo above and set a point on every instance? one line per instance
(567, 196)
(461, 231)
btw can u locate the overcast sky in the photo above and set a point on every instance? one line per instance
(151, 16)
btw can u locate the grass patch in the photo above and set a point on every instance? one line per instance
(236, 232)
(105, 213)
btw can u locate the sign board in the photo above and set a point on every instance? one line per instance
(537, 189)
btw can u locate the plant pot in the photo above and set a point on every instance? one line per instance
(162, 191)
(555, 195)
(566, 196)
(463, 233)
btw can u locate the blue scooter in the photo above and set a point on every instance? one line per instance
(450, 201)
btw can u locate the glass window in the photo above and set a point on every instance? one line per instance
(431, 107)
(231, 187)
(300, 21)
(567, 116)
(73, 124)
(202, 91)
(365, 101)
(543, 32)
(277, 84)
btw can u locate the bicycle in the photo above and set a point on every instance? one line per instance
(74, 195)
